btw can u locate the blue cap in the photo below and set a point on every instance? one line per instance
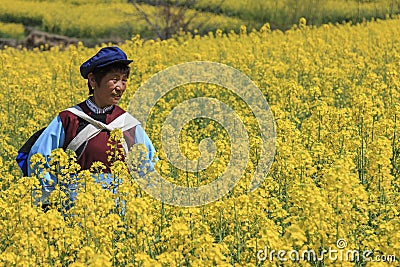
(104, 57)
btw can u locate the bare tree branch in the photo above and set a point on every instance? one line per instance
(171, 16)
(146, 17)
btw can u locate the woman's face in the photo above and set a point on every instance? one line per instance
(110, 89)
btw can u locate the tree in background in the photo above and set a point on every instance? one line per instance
(170, 16)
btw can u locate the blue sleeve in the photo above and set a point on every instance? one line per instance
(142, 138)
(52, 137)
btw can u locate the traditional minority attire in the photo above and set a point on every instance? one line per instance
(66, 126)
(85, 129)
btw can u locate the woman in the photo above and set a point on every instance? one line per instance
(85, 128)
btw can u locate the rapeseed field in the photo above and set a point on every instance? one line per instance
(334, 92)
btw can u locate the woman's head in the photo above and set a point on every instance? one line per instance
(107, 73)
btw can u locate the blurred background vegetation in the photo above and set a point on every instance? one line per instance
(96, 21)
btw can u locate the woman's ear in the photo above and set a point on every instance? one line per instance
(92, 80)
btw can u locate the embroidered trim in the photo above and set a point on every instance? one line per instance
(95, 109)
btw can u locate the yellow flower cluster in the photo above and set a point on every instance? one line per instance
(334, 92)
(11, 30)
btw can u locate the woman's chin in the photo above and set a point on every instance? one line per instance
(115, 100)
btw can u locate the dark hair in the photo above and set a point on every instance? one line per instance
(99, 73)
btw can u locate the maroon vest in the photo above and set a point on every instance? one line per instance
(95, 149)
